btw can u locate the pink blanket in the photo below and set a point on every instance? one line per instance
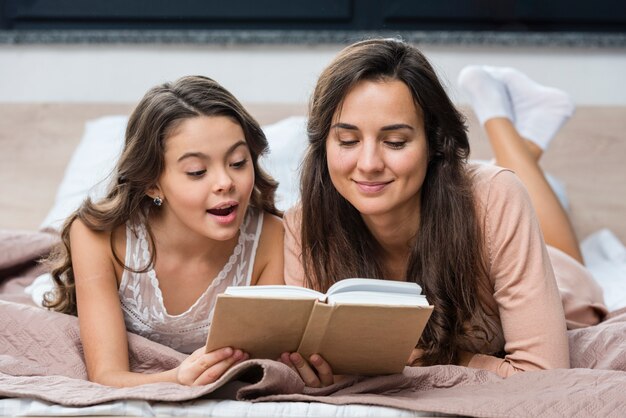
(41, 358)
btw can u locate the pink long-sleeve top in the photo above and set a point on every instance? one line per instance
(527, 317)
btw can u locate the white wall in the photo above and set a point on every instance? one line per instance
(279, 74)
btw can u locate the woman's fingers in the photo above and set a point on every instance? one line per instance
(320, 375)
(304, 369)
(216, 370)
(284, 358)
(324, 371)
(414, 359)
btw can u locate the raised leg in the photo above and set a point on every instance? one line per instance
(514, 152)
(510, 104)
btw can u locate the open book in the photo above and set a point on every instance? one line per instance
(360, 326)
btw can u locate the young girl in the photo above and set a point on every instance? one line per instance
(387, 193)
(189, 212)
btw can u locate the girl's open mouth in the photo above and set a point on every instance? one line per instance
(223, 211)
(225, 214)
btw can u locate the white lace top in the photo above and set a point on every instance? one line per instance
(142, 301)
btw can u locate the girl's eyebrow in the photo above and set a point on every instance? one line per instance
(203, 156)
(394, 127)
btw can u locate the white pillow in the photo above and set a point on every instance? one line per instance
(605, 257)
(287, 142)
(89, 170)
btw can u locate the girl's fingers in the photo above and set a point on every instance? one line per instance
(198, 362)
(207, 360)
(306, 372)
(215, 370)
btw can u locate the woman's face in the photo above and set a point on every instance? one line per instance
(208, 178)
(377, 151)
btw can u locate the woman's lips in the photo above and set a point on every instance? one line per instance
(371, 186)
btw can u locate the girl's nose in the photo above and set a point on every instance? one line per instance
(223, 182)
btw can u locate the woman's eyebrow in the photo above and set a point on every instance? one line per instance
(396, 127)
(342, 125)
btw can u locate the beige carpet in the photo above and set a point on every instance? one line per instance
(37, 140)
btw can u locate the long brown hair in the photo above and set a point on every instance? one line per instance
(446, 257)
(141, 163)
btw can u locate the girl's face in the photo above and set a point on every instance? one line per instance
(377, 151)
(208, 178)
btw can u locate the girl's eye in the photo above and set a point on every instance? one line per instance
(198, 173)
(395, 144)
(240, 163)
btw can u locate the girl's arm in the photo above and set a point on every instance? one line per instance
(268, 266)
(102, 328)
(524, 287)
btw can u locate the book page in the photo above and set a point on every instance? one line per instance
(377, 298)
(374, 285)
(270, 291)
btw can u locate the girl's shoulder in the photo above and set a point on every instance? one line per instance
(272, 229)
(98, 243)
(268, 265)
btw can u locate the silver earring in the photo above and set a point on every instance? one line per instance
(157, 201)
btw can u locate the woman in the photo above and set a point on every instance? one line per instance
(387, 193)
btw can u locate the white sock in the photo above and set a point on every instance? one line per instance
(540, 111)
(488, 96)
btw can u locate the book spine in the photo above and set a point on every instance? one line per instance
(315, 330)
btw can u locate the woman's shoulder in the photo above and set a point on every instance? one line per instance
(493, 182)
(293, 217)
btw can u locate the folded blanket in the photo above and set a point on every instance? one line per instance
(41, 358)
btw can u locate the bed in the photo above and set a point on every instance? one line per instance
(41, 366)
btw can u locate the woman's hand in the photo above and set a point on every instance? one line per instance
(415, 360)
(318, 376)
(202, 368)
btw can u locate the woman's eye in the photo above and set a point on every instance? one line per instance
(395, 144)
(347, 142)
(240, 163)
(198, 173)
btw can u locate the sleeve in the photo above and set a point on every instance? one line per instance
(294, 273)
(525, 289)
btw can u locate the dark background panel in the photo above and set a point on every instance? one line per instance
(361, 15)
(179, 14)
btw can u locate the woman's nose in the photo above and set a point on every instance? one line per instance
(370, 159)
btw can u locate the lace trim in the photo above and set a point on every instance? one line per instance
(143, 242)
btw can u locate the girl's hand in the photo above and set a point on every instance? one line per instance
(320, 376)
(202, 368)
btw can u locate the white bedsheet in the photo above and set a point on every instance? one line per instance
(211, 408)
